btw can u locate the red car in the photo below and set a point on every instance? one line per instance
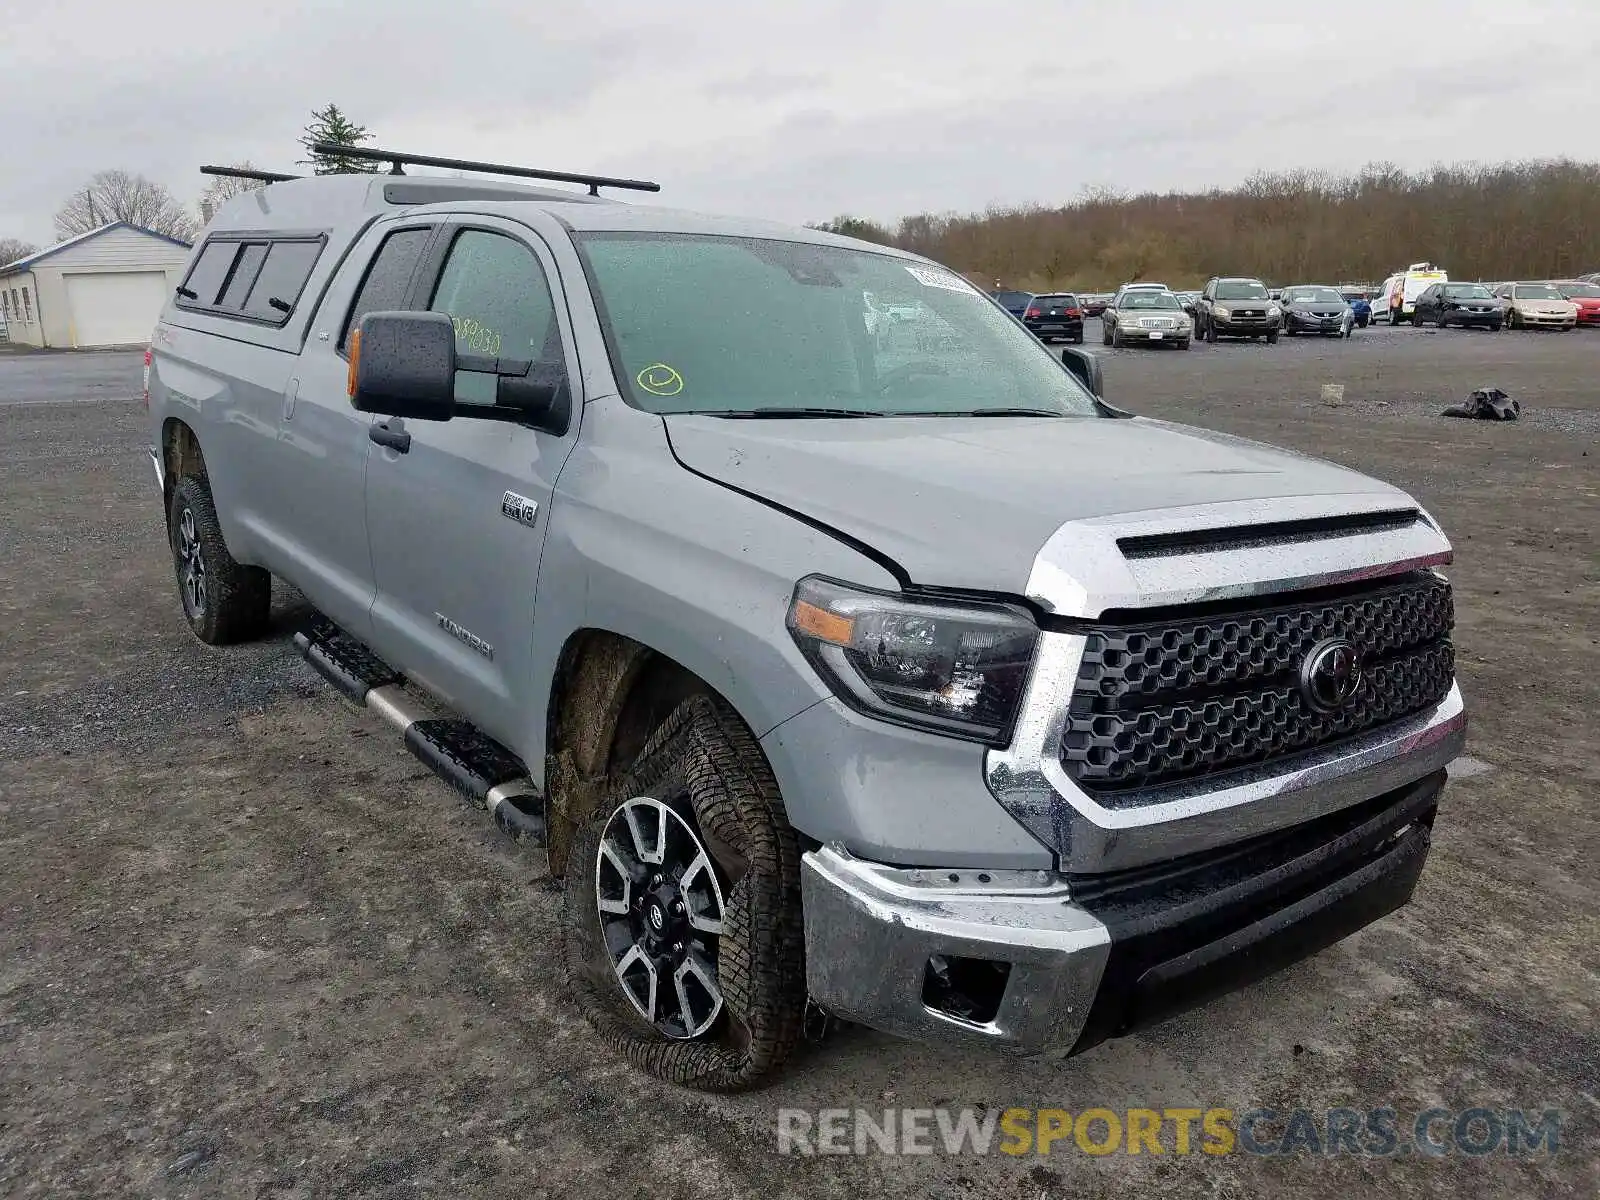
(1587, 297)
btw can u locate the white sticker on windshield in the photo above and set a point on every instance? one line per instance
(941, 279)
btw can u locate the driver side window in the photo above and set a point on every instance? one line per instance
(497, 296)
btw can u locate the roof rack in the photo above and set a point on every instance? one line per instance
(400, 159)
(248, 173)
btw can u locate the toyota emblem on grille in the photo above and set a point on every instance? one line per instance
(1330, 675)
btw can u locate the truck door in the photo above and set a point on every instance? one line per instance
(319, 483)
(457, 518)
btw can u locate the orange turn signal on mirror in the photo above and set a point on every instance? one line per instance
(822, 624)
(355, 357)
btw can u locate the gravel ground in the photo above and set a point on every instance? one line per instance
(250, 948)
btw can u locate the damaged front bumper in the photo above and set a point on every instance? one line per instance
(1047, 964)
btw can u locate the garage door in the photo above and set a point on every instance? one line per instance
(115, 309)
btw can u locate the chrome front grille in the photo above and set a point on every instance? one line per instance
(1208, 691)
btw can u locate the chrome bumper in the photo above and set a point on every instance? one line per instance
(870, 930)
(1065, 963)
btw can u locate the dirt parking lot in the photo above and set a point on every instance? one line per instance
(250, 948)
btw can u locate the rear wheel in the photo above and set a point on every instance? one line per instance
(223, 600)
(681, 914)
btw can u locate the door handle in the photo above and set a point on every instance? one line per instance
(397, 440)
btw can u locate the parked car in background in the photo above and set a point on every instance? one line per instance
(1537, 306)
(1360, 306)
(1397, 298)
(1015, 303)
(1587, 298)
(1144, 314)
(1315, 308)
(1094, 303)
(1190, 302)
(1463, 304)
(1055, 315)
(1238, 307)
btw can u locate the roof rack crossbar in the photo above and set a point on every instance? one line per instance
(400, 159)
(248, 173)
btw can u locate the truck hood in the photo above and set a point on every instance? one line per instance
(968, 502)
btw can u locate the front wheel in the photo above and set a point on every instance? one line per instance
(1183, 345)
(1211, 333)
(685, 945)
(1272, 337)
(224, 601)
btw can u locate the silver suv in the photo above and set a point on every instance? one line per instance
(885, 673)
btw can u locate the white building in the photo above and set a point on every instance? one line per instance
(101, 288)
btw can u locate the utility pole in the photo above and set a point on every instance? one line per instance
(88, 195)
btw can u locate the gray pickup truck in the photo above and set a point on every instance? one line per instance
(887, 673)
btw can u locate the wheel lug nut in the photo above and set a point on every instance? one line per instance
(677, 907)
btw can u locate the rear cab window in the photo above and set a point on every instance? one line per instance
(1060, 300)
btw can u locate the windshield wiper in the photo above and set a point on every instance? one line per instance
(761, 414)
(979, 412)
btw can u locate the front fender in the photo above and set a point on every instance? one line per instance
(640, 546)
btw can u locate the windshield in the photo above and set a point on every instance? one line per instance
(1468, 291)
(1149, 300)
(734, 325)
(1536, 291)
(1587, 290)
(1314, 295)
(1241, 291)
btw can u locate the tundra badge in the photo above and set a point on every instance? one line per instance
(519, 508)
(464, 635)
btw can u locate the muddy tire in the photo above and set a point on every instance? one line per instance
(224, 601)
(725, 945)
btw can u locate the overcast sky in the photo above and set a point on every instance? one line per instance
(797, 109)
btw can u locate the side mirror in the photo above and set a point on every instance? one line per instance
(403, 364)
(1086, 367)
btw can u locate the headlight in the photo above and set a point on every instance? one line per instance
(1218, 311)
(1274, 311)
(953, 668)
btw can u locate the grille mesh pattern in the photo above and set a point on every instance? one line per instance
(1186, 697)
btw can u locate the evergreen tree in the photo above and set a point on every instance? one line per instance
(331, 125)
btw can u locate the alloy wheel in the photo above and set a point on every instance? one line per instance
(661, 911)
(191, 565)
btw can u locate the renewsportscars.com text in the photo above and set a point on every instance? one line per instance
(1375, 1132)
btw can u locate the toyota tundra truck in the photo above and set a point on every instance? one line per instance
(893, 676)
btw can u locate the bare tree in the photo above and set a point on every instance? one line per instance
(12, 249)
(1533, 219)
(120, 196)
(223, 188)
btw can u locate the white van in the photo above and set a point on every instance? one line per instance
(1400, 291)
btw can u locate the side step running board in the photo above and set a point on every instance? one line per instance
(479, 768)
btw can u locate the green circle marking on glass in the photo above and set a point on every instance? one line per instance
(660, 380)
